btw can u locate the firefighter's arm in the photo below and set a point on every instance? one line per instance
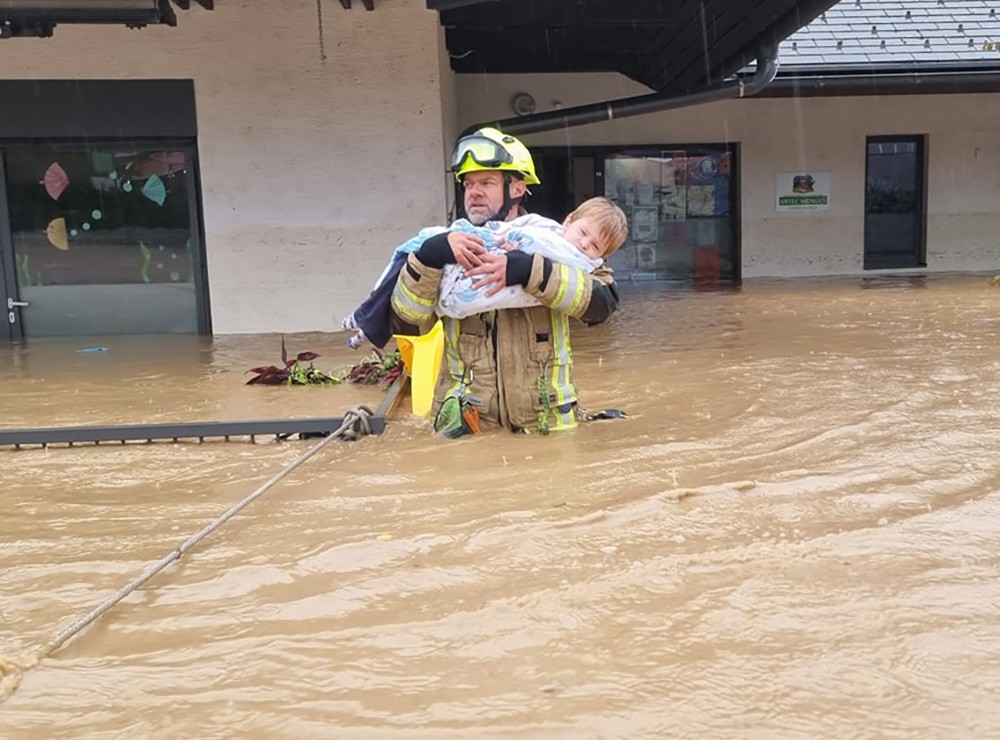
(590, 297)
(416, 291)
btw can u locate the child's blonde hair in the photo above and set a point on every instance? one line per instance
(610, 220)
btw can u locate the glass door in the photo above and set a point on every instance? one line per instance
(678, 204)
(8, 288)
(101, 239)
(894, 203)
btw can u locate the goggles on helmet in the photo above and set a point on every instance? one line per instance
(483, 151)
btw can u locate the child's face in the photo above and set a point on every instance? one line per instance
(583, 232)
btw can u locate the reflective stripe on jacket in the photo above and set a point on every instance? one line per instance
(507, 361)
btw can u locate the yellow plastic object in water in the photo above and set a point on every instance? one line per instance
(422, 359)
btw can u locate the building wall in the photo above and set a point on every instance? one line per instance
(321, 146)
(785, 135)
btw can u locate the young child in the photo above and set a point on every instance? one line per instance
(589, 235)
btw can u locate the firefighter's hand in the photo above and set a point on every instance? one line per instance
(467, 248)
(492, 272)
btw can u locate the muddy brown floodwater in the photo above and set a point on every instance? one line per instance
(795, 535)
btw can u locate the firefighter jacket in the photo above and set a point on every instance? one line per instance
(514, 365)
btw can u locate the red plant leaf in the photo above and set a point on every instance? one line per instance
(306, 356)
(272, 378)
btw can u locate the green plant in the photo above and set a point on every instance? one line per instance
(377, 368)
(293, 371)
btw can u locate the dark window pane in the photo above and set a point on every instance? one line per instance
(102, 239)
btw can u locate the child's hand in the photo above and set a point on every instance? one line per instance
(466, 248)
(507, 246)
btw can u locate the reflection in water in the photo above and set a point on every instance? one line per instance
(796, 534)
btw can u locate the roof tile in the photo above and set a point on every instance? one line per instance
(873, 32)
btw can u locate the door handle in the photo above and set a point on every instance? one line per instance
(11, 303)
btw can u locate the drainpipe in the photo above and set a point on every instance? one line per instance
(767, 68)
(882, 81)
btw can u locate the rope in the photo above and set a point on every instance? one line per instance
(356, 425)
(319, 25)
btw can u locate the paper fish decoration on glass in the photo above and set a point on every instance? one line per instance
(56, 233)
(155, 190)
(56, 180)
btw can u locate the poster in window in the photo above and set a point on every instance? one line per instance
(644, 223)
(708, 185)
(673, 186)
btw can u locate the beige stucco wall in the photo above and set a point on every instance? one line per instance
(312, 169)
(785, 135)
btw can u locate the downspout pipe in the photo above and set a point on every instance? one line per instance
(881, 82)
(767, 68)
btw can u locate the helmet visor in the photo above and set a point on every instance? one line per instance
(484, 152)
